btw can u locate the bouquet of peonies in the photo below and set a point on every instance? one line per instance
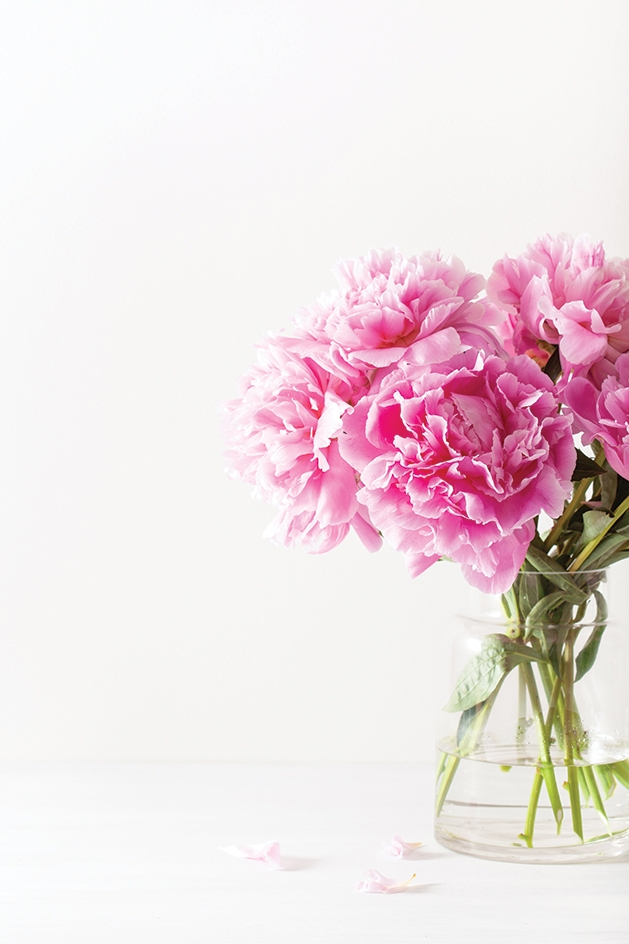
(415, 404)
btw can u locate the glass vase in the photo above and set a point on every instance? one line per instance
(533, 753)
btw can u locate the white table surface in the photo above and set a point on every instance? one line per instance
(129, 853)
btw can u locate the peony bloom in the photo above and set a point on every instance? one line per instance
(604, 414)
(389, 310)
(565, 292)
(456, 461)
(283, 439)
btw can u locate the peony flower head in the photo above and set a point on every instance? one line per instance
(564, 292)
(283, 439)
(390, 309)
(603, 414)
(457, 460)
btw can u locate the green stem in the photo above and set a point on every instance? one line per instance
(621, 772)
(529, 825)
(553, 705)
(572, 721)
(569, 736)
(583, 787)
(578, 562)
(547, 769)
(442, 764)
(599, 806)
(605, 774)
(465, 747)
(575, 801)
(520, 733)
(449, 770)
(577, 497)
(555, 700)
(470, 739)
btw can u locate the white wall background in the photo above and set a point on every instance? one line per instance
(176, 178)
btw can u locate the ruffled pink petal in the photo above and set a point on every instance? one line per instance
(457, 462)
(582, 398)
(336, 500)
(566, 292)
(377, 357)
(370, 536)
(440, 346)
(495, 569)
(354, 446)
(581, 345)
(303, 530)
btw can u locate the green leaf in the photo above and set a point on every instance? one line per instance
(482, 674)
(556, 574)
(553, 658)
(594, 522)
(510, 604)
(609, 486)
(468, 716)
(555, 649)
(530, 591)
(621, 492)
(620, 556)
(609, 546)
(519, 652)
(587, 657)
(486, 670)
(537, 616)
(586, 468)
(622, 525)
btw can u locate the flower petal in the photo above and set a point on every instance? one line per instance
(399, 848)
(373, 882)
(267, 852)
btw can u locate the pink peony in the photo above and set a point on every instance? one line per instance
(565, 292)
(456, 461)
(390, 309)
(283, 439)
(604, 414)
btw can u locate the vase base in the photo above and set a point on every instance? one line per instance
(608, 847)
(493, 806)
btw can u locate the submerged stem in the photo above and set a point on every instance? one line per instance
(529, 825)
(553, 705)
(449, 770)
(621, 772)
(520, 733)
(570, 717)
(570, 728)
(599, 806)
(547, 769)
(575, 801)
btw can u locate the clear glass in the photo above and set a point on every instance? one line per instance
(537, 770)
